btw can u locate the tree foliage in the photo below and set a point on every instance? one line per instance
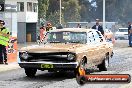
(2, 1)
(50, 9)
(42, 8)
(71, 10)
(85, 10)
(116, 10)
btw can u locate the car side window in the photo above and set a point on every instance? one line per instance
(91, 38)
(100, 36)
(97, 36)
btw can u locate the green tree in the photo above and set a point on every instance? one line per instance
(71, 10)
(116, 10)
(42, 9)
(2, 1)
(87, 11)
(54, 18)
(53, 12)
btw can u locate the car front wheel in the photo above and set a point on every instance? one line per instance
(30, 72)
(81, 70)
(104, 65)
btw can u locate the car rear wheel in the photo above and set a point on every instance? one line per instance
(105, 64)
(30, 72)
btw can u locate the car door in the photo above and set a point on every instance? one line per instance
(99, 48)
(92, 50)
(99, 44)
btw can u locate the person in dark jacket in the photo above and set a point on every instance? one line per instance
(78, 25)
(98, 27)
(130, 33)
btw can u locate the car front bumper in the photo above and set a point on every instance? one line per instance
(48, 65)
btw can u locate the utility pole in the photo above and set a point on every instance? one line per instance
(60, 11)
(103, 14)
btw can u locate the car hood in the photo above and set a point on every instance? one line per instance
(53, 48)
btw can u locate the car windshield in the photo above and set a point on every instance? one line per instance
(123, 30)
(67, 37)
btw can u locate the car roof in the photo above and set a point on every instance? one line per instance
(72, 30)
(123, 28)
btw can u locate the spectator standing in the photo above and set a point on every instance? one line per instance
(42, 33)
(130, 33)
(98, 27)
(4, 39)
(78, 25)
(48, 27)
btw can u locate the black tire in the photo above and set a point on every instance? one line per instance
(81, 80)
(104, 65)
(30, 72)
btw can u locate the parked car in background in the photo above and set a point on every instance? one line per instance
(122, 34)
(67, 49)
